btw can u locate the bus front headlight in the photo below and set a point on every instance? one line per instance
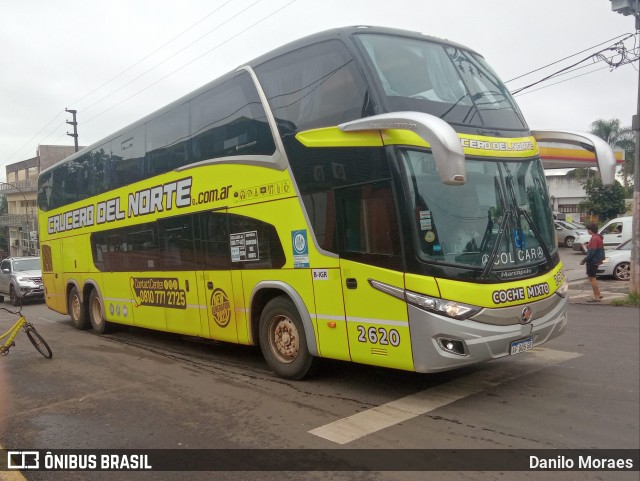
(453, 309)
(563, 289)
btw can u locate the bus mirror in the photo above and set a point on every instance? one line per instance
(444, 141)
(605, 158)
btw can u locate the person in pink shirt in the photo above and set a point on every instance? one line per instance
(594, 257)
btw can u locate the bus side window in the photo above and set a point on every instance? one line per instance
(228, 120)
(176, 240)
(126, 165)
(270, 254)
(315, 86)
(167, 140)
(367, 224)
(214, 241)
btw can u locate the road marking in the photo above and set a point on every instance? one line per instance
(367, 422)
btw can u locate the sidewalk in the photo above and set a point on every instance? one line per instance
(580, 291)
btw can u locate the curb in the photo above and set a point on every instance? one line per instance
(580, 291)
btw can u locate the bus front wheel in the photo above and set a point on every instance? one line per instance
(77, 310)
(96, 314)
(282, 340)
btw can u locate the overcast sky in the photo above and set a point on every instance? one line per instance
(116, 61)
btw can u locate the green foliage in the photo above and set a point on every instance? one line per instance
(631, 300)
(605, 201)
(616, 136)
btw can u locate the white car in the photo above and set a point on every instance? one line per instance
(566, 232)
(617, 262)
(614, 233)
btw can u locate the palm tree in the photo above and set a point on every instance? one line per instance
(616, 136)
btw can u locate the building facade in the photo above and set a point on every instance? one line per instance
(566, 193)
(20, 223)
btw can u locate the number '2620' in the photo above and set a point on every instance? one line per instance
(378, 335)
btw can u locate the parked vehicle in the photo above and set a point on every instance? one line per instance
(579, 225)
(617, 262)
(614, 233)
(566, 232)
(21, 278)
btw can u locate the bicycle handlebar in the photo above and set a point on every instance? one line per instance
(17, 313)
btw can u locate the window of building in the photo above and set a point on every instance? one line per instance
(567, 208)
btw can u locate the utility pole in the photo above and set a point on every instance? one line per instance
(632, 7)
(75, 127)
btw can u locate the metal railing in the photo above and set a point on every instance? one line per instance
(17, 220)
(18, 187)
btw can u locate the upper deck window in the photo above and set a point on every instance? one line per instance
(443, 80)
(315, 86)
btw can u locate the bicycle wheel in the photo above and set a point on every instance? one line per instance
(38, 342)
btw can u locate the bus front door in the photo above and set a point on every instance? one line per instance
(372, 277)
(377, 322)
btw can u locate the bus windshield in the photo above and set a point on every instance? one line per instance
(440, 79)
(499, 219)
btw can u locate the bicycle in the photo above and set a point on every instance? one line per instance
(36, 339)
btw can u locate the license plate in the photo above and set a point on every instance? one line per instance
(521, 345)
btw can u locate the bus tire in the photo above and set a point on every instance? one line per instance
(282, 340)
(96, 314)
(77, 310)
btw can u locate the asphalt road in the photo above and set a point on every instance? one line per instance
(138, 389)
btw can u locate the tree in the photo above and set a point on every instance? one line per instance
(605, 201)
(616, 136)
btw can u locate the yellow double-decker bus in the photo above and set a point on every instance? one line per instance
(364, 194)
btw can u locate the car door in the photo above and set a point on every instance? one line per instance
(5, 276)
(612, 233)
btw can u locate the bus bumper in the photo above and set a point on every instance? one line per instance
(481, 342)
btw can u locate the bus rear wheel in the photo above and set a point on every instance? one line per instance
(77, 310)
(282, 340)
(96, 314)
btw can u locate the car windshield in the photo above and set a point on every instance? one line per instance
(27, 265)
(499, 219)
(444, 80)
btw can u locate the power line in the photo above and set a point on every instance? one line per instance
(168, 58)
(164, 77)
(561, 81)
(618, 47)
(569, 56)
(190, 62)
(28, 142)
(150, 54)
(608, 60)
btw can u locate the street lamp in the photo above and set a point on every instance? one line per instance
(632, 7)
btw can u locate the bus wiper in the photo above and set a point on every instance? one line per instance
(522, 212)
(472, 97)
(496, 245)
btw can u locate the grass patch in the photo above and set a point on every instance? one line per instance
(630, 300)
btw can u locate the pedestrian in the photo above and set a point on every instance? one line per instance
(594, 257)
